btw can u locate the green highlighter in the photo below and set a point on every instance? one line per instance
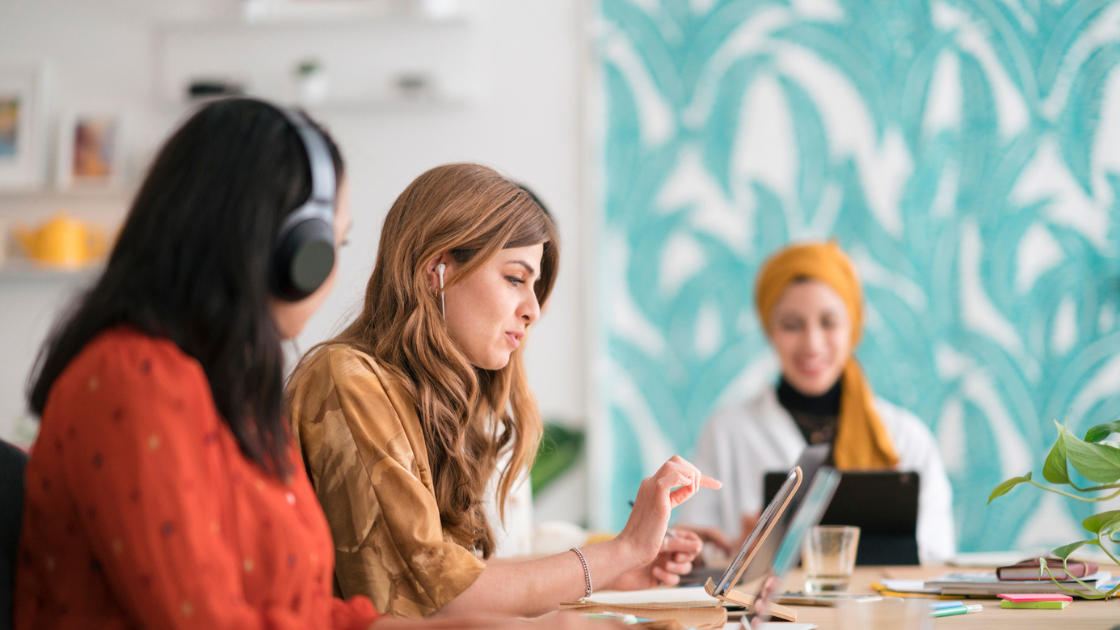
(1051, 605)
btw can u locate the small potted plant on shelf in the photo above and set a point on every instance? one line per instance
(312, 83)
(1098, 460)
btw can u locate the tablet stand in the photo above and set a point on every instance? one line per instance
(738, 598)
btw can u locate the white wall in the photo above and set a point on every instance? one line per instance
(524, 120)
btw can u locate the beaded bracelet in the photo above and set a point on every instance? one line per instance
(586, 571)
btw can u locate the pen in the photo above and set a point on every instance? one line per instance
(960, 610)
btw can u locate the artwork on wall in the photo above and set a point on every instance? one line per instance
(22, 117)
(967, 156)
(90, 150)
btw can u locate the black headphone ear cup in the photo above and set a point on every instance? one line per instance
(303, 260)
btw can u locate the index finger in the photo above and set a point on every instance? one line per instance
(708, 482)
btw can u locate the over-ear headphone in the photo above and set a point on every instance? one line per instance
(304, 252)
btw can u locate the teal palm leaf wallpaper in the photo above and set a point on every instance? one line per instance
(965, 153)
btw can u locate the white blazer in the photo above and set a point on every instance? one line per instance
(741, 444)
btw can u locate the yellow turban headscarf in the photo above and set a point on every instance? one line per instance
(861, 440)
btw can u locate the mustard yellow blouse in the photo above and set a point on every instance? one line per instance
(364, 450)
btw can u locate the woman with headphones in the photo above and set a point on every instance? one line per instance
(164, 490)
(404, 417)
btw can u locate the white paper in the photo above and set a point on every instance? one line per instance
(684, 595)
(908, 586)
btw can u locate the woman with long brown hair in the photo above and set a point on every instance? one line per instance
(403, 417)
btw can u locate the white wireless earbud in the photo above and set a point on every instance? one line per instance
(442, 302)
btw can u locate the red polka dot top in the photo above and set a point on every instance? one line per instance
(141, 511)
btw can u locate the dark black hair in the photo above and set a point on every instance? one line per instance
(192, 265)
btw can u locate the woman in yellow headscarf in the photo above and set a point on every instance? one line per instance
(810, 304)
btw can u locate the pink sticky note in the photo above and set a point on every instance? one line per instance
(1035, 597)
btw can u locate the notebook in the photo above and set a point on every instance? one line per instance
(1030, 569)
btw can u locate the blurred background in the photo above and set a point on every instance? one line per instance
(966, 154)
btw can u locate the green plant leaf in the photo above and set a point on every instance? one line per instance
(559, 449)
(1006, 486)
(1055, 469)
(1064, 551)
(1101, 431)
(1102, 523)
(1096, 462)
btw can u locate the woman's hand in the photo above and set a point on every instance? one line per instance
(677, 553)
(671, 485)
(710, 535)
(539, 585)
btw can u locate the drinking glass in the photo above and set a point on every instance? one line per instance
(828, 556)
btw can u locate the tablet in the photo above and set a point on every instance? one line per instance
(811, 460)
(817, 498)
(883, 504)
(761, 530)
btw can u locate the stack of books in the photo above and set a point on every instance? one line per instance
(1022, 577)
(988, 585)
(1030, 570)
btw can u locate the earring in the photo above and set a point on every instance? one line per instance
(442, 301)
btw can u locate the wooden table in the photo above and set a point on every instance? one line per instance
(1080, 615)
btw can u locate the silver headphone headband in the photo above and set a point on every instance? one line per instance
(323, 185)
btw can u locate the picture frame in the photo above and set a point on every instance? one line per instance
(23, 113)
(91, 150)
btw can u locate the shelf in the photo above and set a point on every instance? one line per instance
(388, 105)
(359, 20)
(378, 105)
(21, 269)
(367, 63)
(272, 12)
(123, 193)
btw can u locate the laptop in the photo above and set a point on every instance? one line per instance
(887, 527)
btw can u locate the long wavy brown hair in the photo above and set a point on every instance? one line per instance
(470, 416)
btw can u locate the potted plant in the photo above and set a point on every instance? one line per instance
(1097, 459)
